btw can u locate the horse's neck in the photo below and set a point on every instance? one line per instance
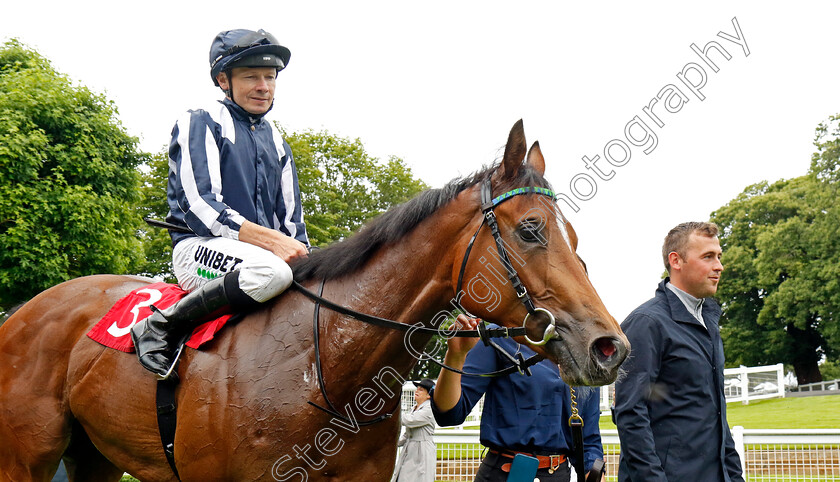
(409, 282)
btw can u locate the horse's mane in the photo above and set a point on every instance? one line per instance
(348, 255)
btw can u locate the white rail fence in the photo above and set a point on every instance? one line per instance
(754, 383)
(766, 455)
(829, 385)
(741, 384)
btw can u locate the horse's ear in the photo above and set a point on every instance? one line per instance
(536, 159)
(514, 151)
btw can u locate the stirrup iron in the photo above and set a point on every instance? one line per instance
(175, 360)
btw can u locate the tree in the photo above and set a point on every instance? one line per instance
(781, 290)
(68, 180)
(157, 245)
(343, 187)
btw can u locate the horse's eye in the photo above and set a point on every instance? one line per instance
(530, 231)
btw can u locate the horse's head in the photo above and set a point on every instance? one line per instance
(583, 338)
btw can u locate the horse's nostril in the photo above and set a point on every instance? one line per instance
(605, 348)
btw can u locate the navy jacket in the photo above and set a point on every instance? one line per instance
(669, 405)
(525, 413)
(227, 167)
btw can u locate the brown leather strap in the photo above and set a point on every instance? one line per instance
(552, 462)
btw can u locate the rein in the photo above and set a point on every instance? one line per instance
(518, 363)
(332, 410)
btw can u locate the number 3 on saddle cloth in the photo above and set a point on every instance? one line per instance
(113, 330)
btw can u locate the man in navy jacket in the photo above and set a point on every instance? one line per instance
(670, 407)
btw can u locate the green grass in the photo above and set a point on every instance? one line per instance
(606, 423)
(802, 412)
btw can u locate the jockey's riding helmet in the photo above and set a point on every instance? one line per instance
(246, 48)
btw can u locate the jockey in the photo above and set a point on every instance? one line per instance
(233, 184)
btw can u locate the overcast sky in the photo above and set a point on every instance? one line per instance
(439, 84)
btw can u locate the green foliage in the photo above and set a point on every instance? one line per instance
(436, 348)
(68, 180)
(342, 186)
(74, 188)
(157, 245)
(830, 371)
(781, 289)
(825, 163)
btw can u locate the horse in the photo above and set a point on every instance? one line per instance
(252, 405)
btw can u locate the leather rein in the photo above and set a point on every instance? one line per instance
(518, 363)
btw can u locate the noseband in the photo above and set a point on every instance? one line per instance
(488, 204)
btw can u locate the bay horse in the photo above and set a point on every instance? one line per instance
(243, 403)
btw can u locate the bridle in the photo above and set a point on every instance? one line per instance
(488, 204)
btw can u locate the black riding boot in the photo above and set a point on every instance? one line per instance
(156, 337)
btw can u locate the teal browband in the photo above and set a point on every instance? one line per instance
(523, 190)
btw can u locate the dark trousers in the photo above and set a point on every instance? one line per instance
(491, 470)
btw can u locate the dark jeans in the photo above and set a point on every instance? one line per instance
(491, 470)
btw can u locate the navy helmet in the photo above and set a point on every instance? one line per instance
(246, 48)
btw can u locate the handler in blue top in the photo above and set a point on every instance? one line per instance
(233, 184)
(669, 405)
(527, 414)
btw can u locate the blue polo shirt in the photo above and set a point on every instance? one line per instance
(525, 413)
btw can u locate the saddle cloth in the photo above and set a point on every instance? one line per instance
(113, 330)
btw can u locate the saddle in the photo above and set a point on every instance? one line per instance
(113, 330)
